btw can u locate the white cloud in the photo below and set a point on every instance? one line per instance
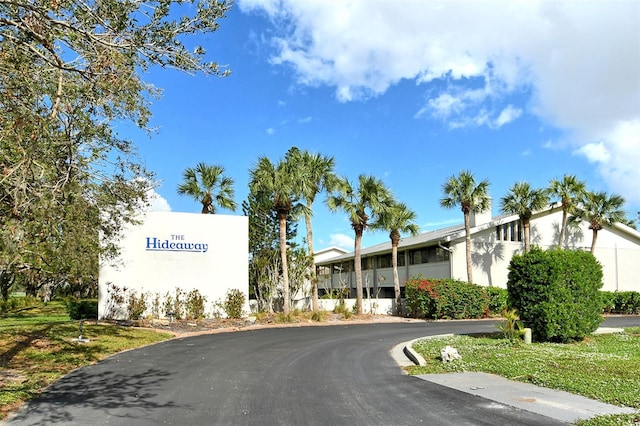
(270, 131)
(445, 105)
(507, 115)
(595, 152)
(573, 64)
(617, 157)
(341, 240)
(439, 224)
(158, 202)
(305, 120)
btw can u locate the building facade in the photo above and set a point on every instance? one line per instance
(441, 254)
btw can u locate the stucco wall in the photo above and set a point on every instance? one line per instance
(619, 254)
(184, 250)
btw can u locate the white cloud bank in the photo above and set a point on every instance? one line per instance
(343, 241)
(158, 202)
(577, 62)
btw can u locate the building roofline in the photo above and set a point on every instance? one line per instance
(444, 235)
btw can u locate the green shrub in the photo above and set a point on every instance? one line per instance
(620, 302)
(234, 303)
(341, 308)
(17, 302)
(136, 305)
(626, 302)
(319, 316)
(556, 293)
(86, 309)
(195, 304)
(608, 301)
(497, 300)
(445, 298)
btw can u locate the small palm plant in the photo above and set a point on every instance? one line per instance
(511, 328)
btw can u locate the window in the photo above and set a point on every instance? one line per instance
(428, 255)
(344, 267)
(442, 255)
(323, 271)
(384, 261)
(511, 231)
(367, 263)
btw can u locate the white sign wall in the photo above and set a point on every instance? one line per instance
(181, 250)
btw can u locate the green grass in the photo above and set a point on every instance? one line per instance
(37, 348)
(602, 367)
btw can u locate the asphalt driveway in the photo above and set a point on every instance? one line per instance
(331, 375)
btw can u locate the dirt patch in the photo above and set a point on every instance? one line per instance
(9, 376)
(183, 328)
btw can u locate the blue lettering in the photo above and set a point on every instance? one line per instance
(150, 244)
(156, 244)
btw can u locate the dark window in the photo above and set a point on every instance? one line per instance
(367, 263)
(428, 255)
(384, 261)
(344, 267)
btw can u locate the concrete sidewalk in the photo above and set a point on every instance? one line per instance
(559, 405)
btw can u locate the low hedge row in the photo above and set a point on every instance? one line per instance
(620, 302)
(434, 298)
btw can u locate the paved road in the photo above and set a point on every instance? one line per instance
(330, 375)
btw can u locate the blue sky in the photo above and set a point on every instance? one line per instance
(411, 92)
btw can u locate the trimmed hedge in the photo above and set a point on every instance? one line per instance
(445, 298)
(556, 293)
(497, 299)
(620, 302)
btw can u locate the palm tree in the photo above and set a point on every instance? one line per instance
(523, 201)
(208, 185)
(317, 176)
(463, 191)
(569, 190)
(397, 219)
(367, 201)
(279, 183)
(599, 209)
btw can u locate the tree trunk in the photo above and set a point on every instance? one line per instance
(593, 240)
(285, 266)
(527, 241)
(467, 233)
(563, 229)
(358, 268)
(315, 305)
(396, 279)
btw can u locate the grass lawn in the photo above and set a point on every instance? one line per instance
(602, 367)
(37, 348)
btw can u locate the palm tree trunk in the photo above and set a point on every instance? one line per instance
(593, 240)
(563, 229)
(467, 233)
(358, 268)
(396, 279)
(527, 242)
(312, 276)
(285, 266)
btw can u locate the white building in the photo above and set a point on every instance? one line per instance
(441, 254)
(179, 250)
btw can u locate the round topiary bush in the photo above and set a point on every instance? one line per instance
(556, 293)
